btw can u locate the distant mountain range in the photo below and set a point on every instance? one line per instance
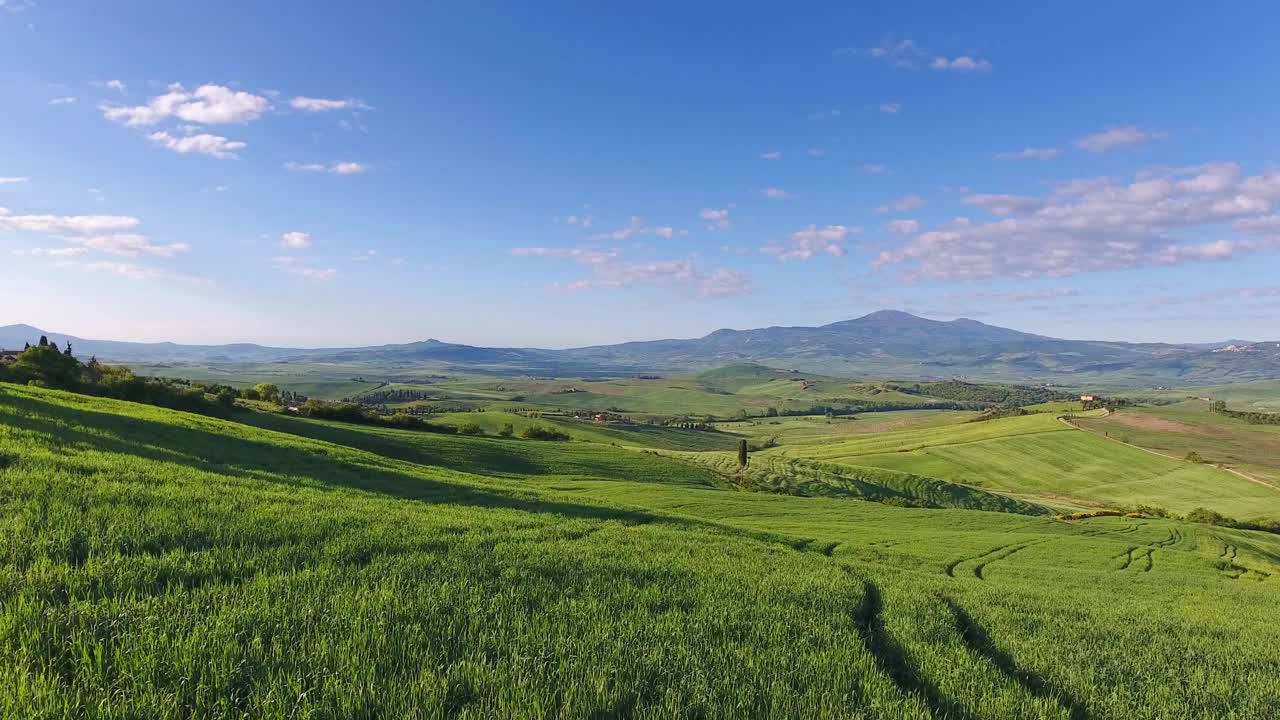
(887, 343)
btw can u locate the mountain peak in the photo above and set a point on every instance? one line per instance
(896, 315)
(882, 317)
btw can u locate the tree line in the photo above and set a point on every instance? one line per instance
(44, 365)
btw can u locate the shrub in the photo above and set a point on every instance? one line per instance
(1205, 516)
(470, 429)
(541, 432)
(1194, 457)
(507, 430)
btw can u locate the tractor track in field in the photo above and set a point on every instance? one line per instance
(1147, 558)
(990, 556)
(979, 642)
(818, 546)
(1227, 564)
(1128, 558)
(950, 569)
(893, 659)
(977, 569)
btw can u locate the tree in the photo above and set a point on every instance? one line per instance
(1218, 406)
(227, 397)
(1194, 457)
(44, 341)
(771, 412)
(67, 352)
(742, 453)
(470, 429)
(507, 430)
(268, 391)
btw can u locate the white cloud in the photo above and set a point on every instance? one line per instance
(128, 270)
(908, 54)
(718, 219)
(54, 252)
(305, 167)
(777, 194)
(609, 271)
(337, 168)
(773, 155)
(962, 63)
(1002, 204)
(890, 108)
(816, 152)
(310, 104)
(12, 180)
(106, 234)
(296, 267)
(900, 54)
(203, 144)
(115, 85)
(1110, 138)
(580, 220)
(66, 224)
(1099, 224)
(128, 245)
(903, 227)
(207, 105)
(905, 203)
(874, 169)
(63, 101)
(634, 226)
(586, 256)
(666, 232)
(295, 240)
(812, 241)
(1031, 153)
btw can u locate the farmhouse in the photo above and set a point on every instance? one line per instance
(1087, 398)
(8, 357)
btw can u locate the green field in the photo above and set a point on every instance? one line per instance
(1187, 427)
(1037, 456)
(160, 564)
(638, 435)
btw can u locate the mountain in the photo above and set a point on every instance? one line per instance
(887, 343)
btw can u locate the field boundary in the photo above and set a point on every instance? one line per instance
(1238, 473)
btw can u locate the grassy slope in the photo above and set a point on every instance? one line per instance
(1038, 456)
(161, 564)
(817, 429)
(1179, 429)
(1262, 396)
(795, 476)
(650, 436)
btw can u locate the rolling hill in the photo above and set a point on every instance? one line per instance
(162, 564)
(883, 344)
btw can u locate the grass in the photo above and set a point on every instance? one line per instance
(163, 565)
(1180, 429)
(815, 429)
(1038, 456)
(638, 435)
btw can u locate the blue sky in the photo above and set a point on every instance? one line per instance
(579, 173)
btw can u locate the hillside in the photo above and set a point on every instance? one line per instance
(162, 564)
(882, 344)
(1038, 456)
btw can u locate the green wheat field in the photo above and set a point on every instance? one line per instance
(159, 564)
